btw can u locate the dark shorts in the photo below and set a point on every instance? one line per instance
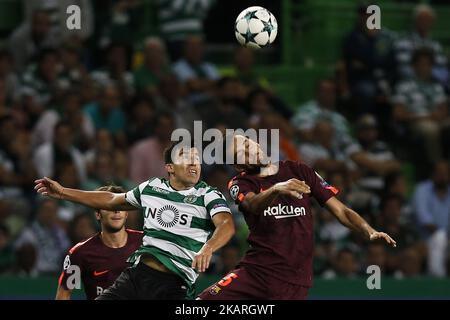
(244, 283)
(144, 283)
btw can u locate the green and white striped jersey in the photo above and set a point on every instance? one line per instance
(181, 18)
(176, 223)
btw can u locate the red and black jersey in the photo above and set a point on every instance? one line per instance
(99, 265)
(281, 236)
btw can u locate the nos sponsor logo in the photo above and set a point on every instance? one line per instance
(167, 216)
(280, 211)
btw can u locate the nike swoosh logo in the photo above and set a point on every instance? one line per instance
(99, 273)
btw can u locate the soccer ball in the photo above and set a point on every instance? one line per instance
(256, 27)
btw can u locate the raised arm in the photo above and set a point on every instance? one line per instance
(254, 203)
(96, 199)
(224, 224)
(355, 222)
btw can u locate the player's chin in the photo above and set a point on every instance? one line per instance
(193, 179)
(115, 226)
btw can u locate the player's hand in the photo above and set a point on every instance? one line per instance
(384, 236)
(292, 187)
(202, 258)
(48, 187)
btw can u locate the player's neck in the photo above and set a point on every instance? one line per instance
(177, 185)
(114, 240)
(269, 170)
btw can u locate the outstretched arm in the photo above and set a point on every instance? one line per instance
(96, 199)
(355, 222)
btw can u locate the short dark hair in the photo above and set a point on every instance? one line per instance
(167, 153)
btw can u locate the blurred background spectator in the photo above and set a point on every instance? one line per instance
(57, 13)
(146, 155)
(196, 74)
(46, 238)
(149, 75)
(6, 250)
(48, 157)
(368, 58)
(179, 20)
(431, 203)
(35, 34)
(421, 105)
(420, 37)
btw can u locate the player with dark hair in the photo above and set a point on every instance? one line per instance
(101, 258)
(276, 200)
(185, 221)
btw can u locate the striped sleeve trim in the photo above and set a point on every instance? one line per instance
(216, 206)
(220, 209)
(215, 202)
(137, 195)
(133, 196)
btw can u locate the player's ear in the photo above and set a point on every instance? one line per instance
(169, 167)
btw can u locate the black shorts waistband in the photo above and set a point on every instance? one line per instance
(145, 268)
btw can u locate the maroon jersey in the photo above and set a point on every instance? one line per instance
(281, 236)
(99, 264)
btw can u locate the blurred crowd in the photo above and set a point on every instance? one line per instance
(92, 107)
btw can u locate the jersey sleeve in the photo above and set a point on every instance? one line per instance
(239, 187)
(71, 261)
(133, 196)
(321, 190)
(215, 202)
